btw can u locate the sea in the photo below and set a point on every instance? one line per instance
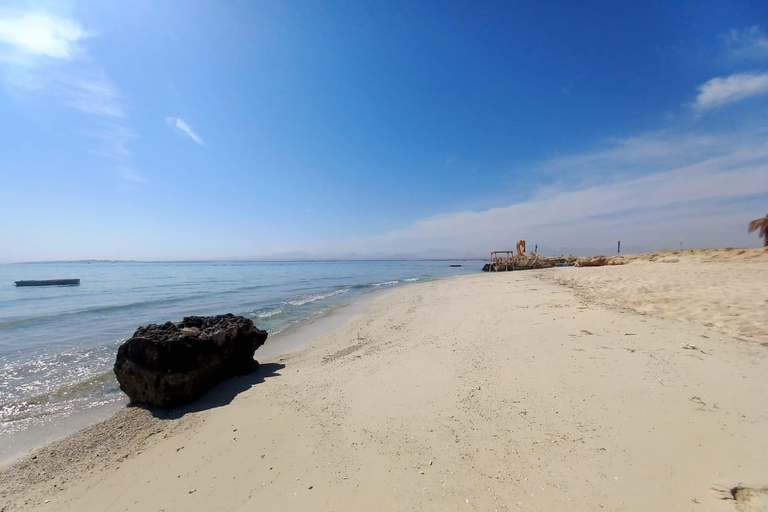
(58, 343)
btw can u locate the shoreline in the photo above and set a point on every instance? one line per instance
(23, 444)
(490, 391)
(295, 335)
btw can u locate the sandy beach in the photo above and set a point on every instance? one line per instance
(641, 386)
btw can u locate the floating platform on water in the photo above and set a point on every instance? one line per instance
(455, 265)
(50, 282)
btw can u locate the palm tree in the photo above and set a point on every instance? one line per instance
(762, 225)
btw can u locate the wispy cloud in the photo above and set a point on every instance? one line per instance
(721, 91)
(132, 175)
(43, 54)
(114, 138)
(645, 154)
(650, 190)
(701, 186)
(184, 127)
(567, 87)
(749, 44)
(92, 93)
(39, 33)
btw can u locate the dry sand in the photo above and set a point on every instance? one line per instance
(724, 288)
(485, 392)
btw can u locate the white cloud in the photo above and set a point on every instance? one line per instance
(40, 33)
(184, 127)
(720, 91)
(704, 199)
(41, 55)
(649, 191)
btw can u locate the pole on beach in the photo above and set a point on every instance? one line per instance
(619, 248)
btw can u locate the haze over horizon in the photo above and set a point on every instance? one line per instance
(151, 130)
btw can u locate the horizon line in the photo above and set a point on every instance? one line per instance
(319, 260)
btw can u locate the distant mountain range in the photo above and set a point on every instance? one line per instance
(422, 255)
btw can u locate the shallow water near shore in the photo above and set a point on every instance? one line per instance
(57, 344)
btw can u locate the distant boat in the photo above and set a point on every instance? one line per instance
(455, 265)
(50, 282)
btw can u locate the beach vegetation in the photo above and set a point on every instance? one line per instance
(761, 225)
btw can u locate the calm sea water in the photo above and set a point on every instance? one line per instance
(58, 344)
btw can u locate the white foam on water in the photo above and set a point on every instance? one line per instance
(313, 298)
(268, 313)
(385, 283)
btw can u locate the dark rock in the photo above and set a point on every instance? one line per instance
(176, 362)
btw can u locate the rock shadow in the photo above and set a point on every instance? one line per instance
(220, 395)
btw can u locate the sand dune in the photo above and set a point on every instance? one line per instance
(486, 392)
(725, 288)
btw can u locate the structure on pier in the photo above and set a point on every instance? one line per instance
(509, 260)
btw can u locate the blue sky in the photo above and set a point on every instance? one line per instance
(161, 130)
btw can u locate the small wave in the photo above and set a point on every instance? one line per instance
(98, 309)
(268, 313)
(83, 387)
(21, 417)
(313, 298)
(411, 279)
(63, 399)
(385, 283)
(11, 323)
(116, 307)
(300, 319)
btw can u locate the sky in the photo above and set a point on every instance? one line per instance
(158, 130)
